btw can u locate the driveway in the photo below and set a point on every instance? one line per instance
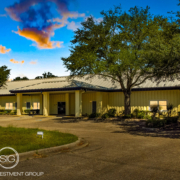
(113, 153)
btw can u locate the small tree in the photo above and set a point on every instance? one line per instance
(169, 109)
(120, 48)
(20, 79)
(154, 110)
(45, 75)
(4, 75)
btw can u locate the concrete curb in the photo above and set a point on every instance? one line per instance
(28, 154)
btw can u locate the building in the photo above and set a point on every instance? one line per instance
(80, 96)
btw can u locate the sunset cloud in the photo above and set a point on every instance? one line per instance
(3, 49)
(33, 62)
(42, 38)
(16, 62)
(37, 21)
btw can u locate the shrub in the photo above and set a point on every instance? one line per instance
(169, 109)
(154, 110)
(94, 115)
(112, 112)
(155, 123)
(136, 111)
(141, 115)
(27, 111)
(105, 116)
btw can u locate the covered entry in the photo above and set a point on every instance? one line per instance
(61, 108)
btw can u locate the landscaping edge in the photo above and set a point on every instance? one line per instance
(28, 154)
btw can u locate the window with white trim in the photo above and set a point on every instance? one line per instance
(162, 104)
(9, 106)
(36, 105)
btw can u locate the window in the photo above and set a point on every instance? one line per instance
(36, 105)
(28, 105)
(162, 104)
(94, 107)
(9, 106)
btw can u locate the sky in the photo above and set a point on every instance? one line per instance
(36, 34)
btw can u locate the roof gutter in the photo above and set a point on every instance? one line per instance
(91, 89)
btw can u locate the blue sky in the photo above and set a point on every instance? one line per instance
(28, 51)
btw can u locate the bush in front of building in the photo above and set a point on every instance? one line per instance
(157, 123)
(7, 112)
(112, 112)
(105, 116)
(94, 115)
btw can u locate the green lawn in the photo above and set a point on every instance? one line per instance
(23, 139)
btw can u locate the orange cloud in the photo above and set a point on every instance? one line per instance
(41, 37)
(3, 49)
(33, 62)
(16, 62)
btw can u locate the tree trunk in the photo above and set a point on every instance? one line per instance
(127, 102)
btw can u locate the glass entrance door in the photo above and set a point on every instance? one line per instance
(61, 108)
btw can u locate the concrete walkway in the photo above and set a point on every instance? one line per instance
(113, 153)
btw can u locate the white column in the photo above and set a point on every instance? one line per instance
(19, 104)
(46, 103)
(78, 103)
(67, 103)
(99, 102)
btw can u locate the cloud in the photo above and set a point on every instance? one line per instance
(42, 38)
(73, 26)
(3, 15)
(16, 62)
(37, 21)
(3, 49)
(33, 62)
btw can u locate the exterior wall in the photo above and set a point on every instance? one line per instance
(7, 99)
(141, 99)
(32, 99)
(87, 99)
(54, 99)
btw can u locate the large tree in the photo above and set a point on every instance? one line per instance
(45, 75)
(120, 47)
(20, 79)
(4, 75)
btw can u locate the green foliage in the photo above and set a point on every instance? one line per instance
(169, 109)
(140, 114)
(27, 111)
(45, 75)
(157, 123)
(4, 75)
(20, 79)
(136, 111)
(154, 110)
(112, 112)
(118, 48)
(5, 112)
(94, 115)
(105, 116)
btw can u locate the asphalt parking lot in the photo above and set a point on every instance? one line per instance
(112, 153)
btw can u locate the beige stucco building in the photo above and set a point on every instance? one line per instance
(80, 96)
